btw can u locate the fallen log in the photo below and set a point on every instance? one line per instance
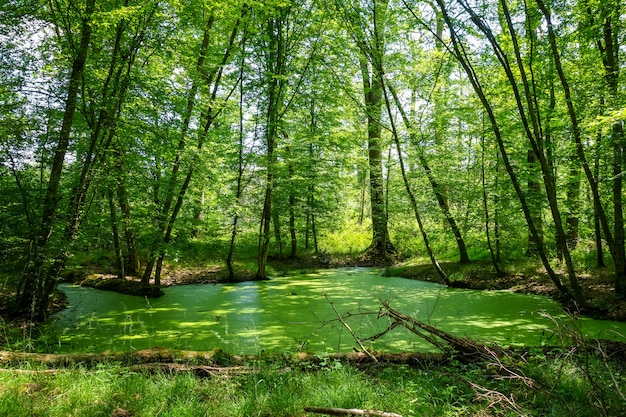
(349, 412)
(201, 371)
(447, 342)
(133, 357)
(214, 358)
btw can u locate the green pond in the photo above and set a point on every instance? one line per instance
(293, 312)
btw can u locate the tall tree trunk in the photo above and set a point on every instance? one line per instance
(536, 202)
(412, 199)
(240, 169)
(198, 215)
(372, 87)
(277, 233)
(31, 293)
(275, 91)
(133, 264)
(371, 57)
(494, 259)
(607, 43)
(119, 256)
(459, 53)
(163, 211)
(618, 255)
(213, 81)
(523, 88)
(292, 225)
(597, 227)
(439, 191)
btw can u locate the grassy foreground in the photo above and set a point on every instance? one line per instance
(562, 384)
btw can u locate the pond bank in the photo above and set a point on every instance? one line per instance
(478, 275)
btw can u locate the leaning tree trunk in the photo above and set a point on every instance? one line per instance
(607, 42)
(461, 56)
(440, 194)
(31, 293)
(523, 89)
(240, 171)
(412, 199)
(175, 194)
(616, 245)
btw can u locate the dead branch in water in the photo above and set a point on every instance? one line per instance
(446, 342)
(354, 336)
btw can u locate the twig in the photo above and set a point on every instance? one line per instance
(349, 412)
(356, 338)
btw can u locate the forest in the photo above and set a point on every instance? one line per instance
(142, 138)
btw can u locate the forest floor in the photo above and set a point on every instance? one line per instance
(597, 284)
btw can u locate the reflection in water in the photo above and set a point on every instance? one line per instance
(291, 313)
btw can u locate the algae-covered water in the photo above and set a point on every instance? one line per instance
(294, 312)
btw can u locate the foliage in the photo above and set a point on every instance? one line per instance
(281, 388)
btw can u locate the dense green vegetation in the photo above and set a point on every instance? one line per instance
(133, 132)
(571, 385)
(138, 137)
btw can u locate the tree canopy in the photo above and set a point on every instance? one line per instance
(450, 128)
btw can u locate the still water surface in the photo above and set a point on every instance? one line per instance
(287, 313)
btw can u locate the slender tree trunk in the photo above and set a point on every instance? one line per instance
(163, 212)
(618, 255)
(412, 199)
(277, 233)
(212, 80)
(494, 259)
(608, 45)
(198, 215)
(119, 256)
(535, 199)
(292, 225)
(459, 53)
(275, 91)
(240, 170)
(596, 219)
(528, 109)
(440, 196)
(31, 293)
(133, 266)
(132, 262)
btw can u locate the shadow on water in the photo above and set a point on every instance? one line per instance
(291, 313)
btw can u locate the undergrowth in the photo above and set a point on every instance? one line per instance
(564, 381)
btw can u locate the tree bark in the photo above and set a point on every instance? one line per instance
(119, 256)
(370, 59)
(275, 90)
(372, 87)
(34, 281)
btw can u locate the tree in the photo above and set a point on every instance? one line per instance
(36, 284)
(207, 78)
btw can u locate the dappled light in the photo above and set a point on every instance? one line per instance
(291, 313)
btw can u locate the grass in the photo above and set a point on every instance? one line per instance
(561, 387)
